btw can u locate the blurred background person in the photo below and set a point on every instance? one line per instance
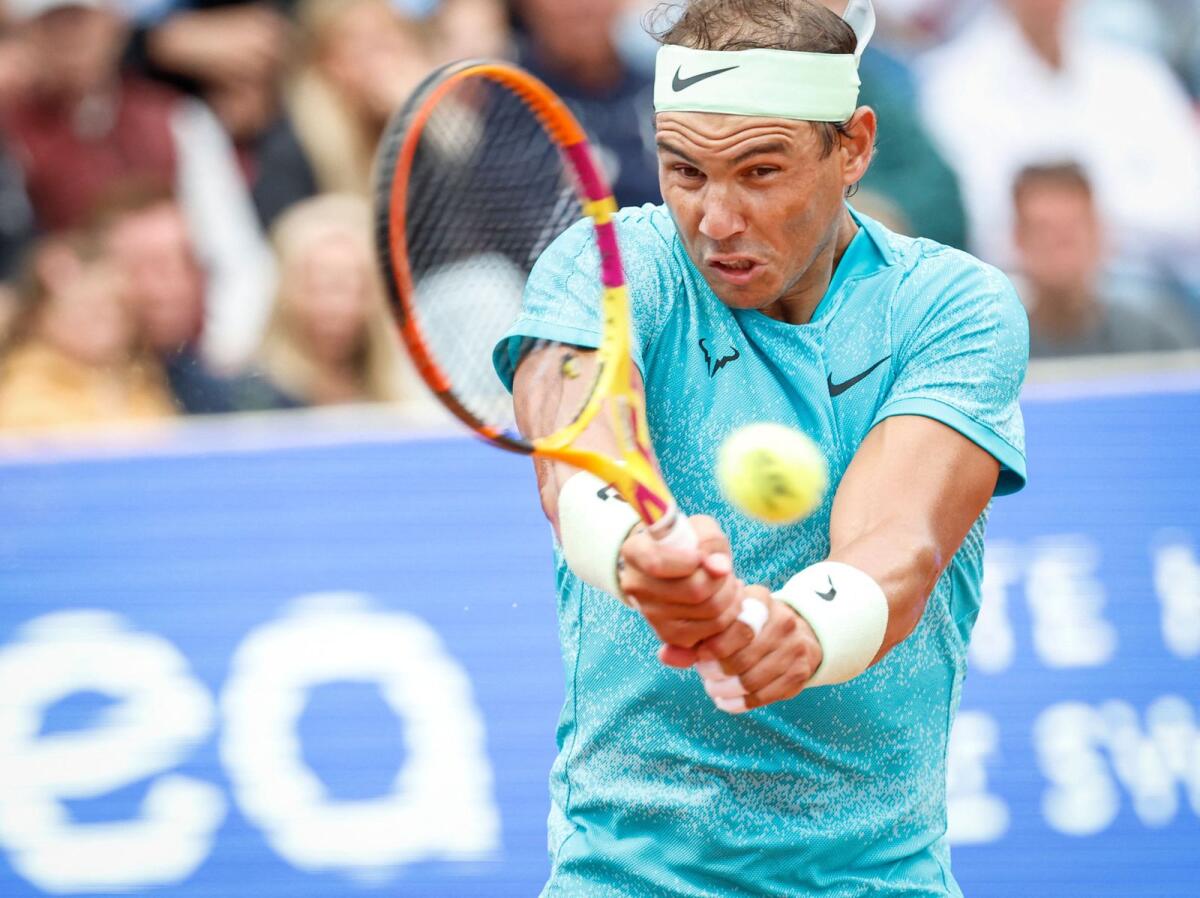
(234, 55)
(572, 46)
(200, 42)
(330, 338)
(147, 237)
(1167, 28)
(74, 357)
(907, 171)
(472, 29)
(84, 124)
(1020, 84)
(1060, 244)
(360, 60)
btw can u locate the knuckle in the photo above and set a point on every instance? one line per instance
(718, 647)
(788, 625)
(731, 612)
(737, 664)
(713, 609)
(754, 678)
(696, 592)
(633, 586)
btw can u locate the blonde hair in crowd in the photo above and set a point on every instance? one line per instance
(285, 354)
(338, 137)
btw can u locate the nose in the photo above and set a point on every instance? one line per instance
(721, 219)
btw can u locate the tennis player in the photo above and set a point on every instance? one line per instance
(809, 756)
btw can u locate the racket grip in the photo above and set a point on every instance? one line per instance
(675, 530)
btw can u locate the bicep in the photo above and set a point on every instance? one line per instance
(917, 472)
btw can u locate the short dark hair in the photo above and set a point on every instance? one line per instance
(1068, 175)
(802, 26)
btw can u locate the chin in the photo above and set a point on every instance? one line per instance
(749, 297)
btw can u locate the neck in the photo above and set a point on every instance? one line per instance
(1046, 41)
(799, 303)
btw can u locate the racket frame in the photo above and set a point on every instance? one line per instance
(633, 474)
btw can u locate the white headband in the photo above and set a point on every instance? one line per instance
(815, 87)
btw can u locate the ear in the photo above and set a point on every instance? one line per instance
(858, 145)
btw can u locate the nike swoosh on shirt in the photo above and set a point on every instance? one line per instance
(839, 389)
(678, 83)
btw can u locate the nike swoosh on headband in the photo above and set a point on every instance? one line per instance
(678, 83)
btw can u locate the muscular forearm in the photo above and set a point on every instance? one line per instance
(544, 401)
(910, 496)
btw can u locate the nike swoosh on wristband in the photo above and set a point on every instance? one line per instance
(678, 83)
(839, 389)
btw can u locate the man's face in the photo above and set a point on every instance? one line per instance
(753, 198)
(153, 249)
(571, 31)
(1058, 238)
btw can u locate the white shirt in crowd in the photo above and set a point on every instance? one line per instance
(994, 106)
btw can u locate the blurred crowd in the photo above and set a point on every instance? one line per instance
(185, 186)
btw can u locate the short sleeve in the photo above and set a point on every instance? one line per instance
(562, 296)
(961, 358)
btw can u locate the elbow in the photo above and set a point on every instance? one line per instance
(925, 563)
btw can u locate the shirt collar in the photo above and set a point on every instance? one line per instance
(867, 253)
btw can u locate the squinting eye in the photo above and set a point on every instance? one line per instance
(763, 171)
(688, 171)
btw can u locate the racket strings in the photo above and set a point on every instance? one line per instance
(487, 194)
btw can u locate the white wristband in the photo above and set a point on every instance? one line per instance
(847, 611)
(593, 522)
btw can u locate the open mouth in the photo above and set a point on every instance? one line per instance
(735, 271)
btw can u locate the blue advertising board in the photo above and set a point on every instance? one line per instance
(330, 668)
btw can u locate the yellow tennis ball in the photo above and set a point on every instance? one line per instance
(773, 473)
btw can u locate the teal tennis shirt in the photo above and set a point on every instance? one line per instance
(842, 790)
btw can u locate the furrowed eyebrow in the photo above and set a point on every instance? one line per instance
(667, 148)
(764, 149)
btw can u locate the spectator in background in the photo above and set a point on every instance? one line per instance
(202, 42)
(907, 172)
(73, 356)
(147, 237)
(1168, 28)
(233, 56)
(1060, 244)
(571, 45)
(361, 60)
(472, 29)
(83, 126)
(330, 339)
(1015, 88)
(17, 68)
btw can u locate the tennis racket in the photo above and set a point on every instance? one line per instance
(480, 171)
